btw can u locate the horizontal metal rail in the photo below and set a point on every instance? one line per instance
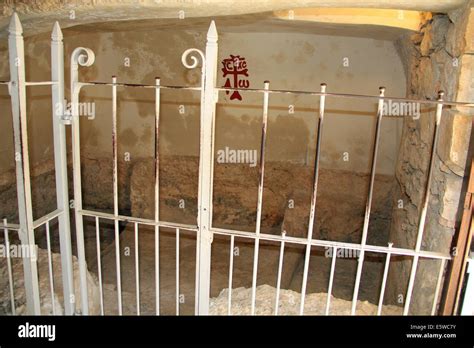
(332, 244)
(46, 218)
(271, 237)
(142, 221)
(138, 85)
(282, 91)
(41, 83)
(348, 95)
(9, 226)
(33, 83)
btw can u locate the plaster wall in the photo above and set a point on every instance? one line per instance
(290, 61)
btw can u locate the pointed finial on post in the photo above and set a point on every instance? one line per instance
(440, 95)
(57, 34)
(212, 33)
(439, 107)
(15, 27)
(323, 87)
(381, 91)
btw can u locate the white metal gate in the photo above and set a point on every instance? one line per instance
(84, 57)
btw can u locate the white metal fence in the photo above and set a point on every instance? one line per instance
(204, 229)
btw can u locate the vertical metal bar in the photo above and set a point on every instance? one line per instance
(458, 270)
(421, 225)
(280, 270)
(99, 265)
(157, 195)
(262, 158)
(467, 307)
(18, 101)
(196, 279)
(9, 267)
(50, 268)
(260, 194)
(84, 57)
(60, 165)
(331, 279)
(137, 269)
(438, 287)
(115, 183)
(384, 280)
(322, 100)
(254, 275)
(368, 205)
(231, 271)
(177, 271)
(205, 169)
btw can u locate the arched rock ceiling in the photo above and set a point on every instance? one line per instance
(317, 16)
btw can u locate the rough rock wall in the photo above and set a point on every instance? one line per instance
(286, 199)
(42, 189)
(44, 286)
(41, 12)
(439, 57)
(97, 193)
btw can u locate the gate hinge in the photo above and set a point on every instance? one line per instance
(211, 237)
(66, 118)
(208, 235)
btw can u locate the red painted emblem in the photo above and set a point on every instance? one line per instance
(236, 67)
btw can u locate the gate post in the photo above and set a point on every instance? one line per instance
(60, 165)
(206, 165)
(17, 89)
(80, 57)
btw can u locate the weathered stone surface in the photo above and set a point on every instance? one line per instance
(289, 303)
(40, 14)
(44, 286)
(454, 136)
(443, 41)
(469, 33)
(42, 190)
(466, 79)
(286, 199)
(340, 208)
(97, 184)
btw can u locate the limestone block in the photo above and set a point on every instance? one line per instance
(454, 136)
(44, 286)
(466, 79)
(315, 304)
(469, 33)
(450, 201)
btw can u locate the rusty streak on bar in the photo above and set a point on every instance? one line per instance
(322, 101)
(115, 184)
(260, 194)
(369, 200)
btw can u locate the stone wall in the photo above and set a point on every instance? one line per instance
(286, 198)
(439, 57)
(97, 188)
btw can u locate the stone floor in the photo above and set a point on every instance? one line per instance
(318, 276)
